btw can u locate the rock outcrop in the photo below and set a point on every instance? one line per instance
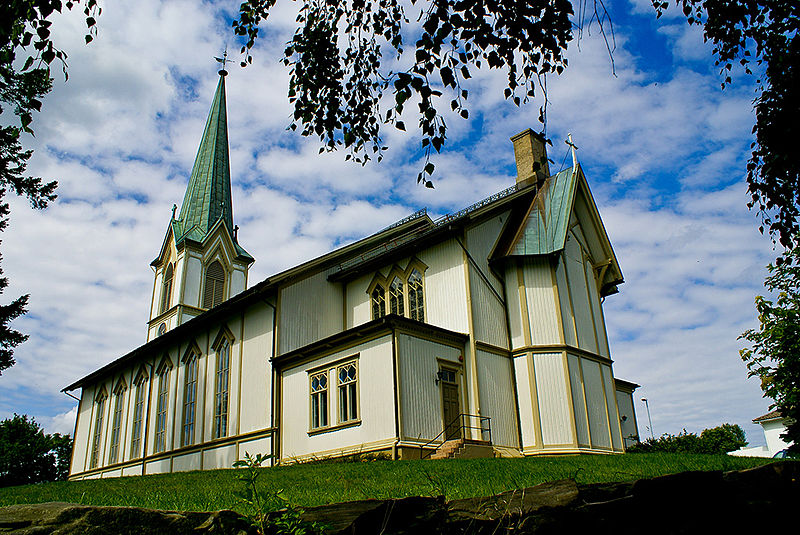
(757, 500)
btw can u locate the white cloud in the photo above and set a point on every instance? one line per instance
(663, 153)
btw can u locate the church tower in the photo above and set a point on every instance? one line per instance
(201, 263)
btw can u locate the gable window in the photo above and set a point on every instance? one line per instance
(319, 400)
(221, 384)
(396, 297)
(100, 405)
(405, 289)
(116, 422)
(215, 282)
(138, 416)
(166, 289)
(378, 302)
(348, 397)
(189, 397)
(416, 299)
(161, 406)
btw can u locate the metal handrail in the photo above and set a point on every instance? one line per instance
(464, 417)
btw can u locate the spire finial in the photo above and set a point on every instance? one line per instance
(174, 207)
(224, 59)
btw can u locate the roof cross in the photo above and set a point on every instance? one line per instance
(573, 148)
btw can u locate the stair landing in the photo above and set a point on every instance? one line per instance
(464, 449)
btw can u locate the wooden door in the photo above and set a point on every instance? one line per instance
(451, 410)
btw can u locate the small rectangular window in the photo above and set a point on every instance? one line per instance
(319, 400)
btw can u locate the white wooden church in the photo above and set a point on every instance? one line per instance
(485, 325)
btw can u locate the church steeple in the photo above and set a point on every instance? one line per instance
(208, 195)
(201, 262)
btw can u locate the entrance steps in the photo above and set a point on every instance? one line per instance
(464, 449)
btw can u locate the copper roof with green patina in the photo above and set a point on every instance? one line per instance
(208, 195)
(548, 221)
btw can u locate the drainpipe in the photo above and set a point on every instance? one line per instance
(272, 383)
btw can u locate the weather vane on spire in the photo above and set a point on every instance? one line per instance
(224, 59)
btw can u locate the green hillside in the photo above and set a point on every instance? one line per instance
(329, 482)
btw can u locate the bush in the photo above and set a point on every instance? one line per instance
(717, 440)
(28, 455)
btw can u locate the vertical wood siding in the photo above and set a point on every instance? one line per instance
(495, 384)
(376, 406)
(554, 405)
(488, 312)
(514, 306)
(611, 403)
(576, 279)
(420, 397)
(578, 401)
(310, 310)
(566, 303)
(541, 302)
(445, 284)
(359, 308)
(597, 313)
(625, 407)
(82, 435)
(598, 416)
(256, 372)
(191, 288)
(525, 402)
(480, 241)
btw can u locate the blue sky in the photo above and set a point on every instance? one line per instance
(662, 146)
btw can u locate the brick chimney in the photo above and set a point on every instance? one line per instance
(531, 156)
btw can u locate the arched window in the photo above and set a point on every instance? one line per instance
(138, 415)
(416, 299)
(166, 289)
(161, 406)
(116, 421)
(221, 388)
(189, 398)
(215, 281)
(378, 302)
(100, 405)
(396, 297)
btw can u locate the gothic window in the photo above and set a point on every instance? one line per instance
(347, 376)
(166, 289)
(138, 416)
(215, 282)
(221, 383)
(378, 302)
(189, 397)
(416, 299)
(100, 405)
(116, 422)
(396, 297)
(319, 400)
(161, 407)
(402, 293)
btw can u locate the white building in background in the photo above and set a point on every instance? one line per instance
(774, 425)
(486, 324)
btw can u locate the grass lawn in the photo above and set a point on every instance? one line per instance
(330, 482)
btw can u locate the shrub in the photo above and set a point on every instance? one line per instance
(717, 440)
(28, 455)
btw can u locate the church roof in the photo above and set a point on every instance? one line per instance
(208, 195)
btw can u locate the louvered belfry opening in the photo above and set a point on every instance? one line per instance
(215, 281)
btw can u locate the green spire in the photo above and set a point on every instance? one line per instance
(208, 196)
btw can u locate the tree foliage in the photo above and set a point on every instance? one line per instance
(28, 455)
(25, 31)
(775, 353)
(762, 37)
(716, 440)
(347, 54)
